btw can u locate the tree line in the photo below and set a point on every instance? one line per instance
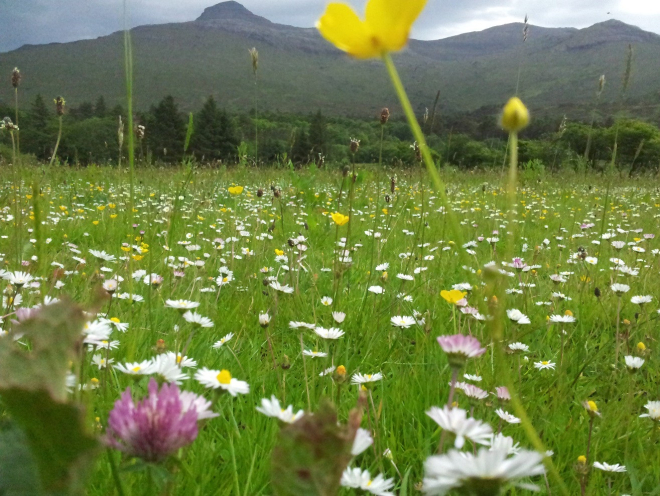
(93, 133)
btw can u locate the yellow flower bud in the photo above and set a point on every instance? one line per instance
(582, 459)
(515, 115)
(641, 347)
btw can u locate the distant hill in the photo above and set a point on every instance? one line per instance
(300, 72)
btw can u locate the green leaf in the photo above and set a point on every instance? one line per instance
(18, 473)
(33, 389)
(312, 453)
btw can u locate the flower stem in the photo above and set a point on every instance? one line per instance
(419, 137)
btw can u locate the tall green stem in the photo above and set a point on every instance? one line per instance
(57, 144)
(419, 137)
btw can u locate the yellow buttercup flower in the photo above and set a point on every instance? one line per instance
(385, 28)
(340, 219)
(453, 296)
(515, 116)
(235, 190)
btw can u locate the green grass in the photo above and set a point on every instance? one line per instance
(232, 452)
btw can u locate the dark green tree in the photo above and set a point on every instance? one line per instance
(37, 136)
(100, 109)
(302, 148)
(167, 130)
(215, 134)
(116, 111)
(318, 131)
(84, 111)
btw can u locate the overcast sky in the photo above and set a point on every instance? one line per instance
(44, 21)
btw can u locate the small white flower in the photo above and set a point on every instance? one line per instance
(358, 479)
(339, 317)
(633, 362)
(606, 467)
(224, 340)
(332, 333)
(507, 417)
(402, 321)
(195, 318)
(221, 379)
(272, 408)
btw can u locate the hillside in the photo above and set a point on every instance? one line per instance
(300, 72)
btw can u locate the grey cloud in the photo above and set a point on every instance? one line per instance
(44, 21)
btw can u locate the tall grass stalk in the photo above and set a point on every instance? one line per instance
(128, 69)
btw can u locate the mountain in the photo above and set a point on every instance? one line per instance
(301, 72)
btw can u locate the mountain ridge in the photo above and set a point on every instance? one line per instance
(300, 71)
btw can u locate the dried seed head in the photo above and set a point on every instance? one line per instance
(597, 292)
(345, 171)
(355, 145)
(59, 106)
(139, 131)
(286, 363)
(387, 198)
(601, 84)
(392, 184)
(384, 116)
(120, 132)
(254, 55)
(15, 77)
(418, 152)
(7, 124)
(426, 115)
(260, 193)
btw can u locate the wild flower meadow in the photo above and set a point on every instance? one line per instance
(371, 330)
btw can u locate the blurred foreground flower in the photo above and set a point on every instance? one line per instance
(515, 115)
(483, 474)
(158, 425)
(385, 28)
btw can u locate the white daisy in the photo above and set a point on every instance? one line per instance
(456, 421)
(215, 379)
(271, 408)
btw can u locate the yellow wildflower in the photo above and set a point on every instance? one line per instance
(453, 296)
(515, 116)
(385, 28)
(340, 219)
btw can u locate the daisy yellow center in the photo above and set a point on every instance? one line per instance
(545, 363)
(224, 377)
(115, 320)
(178, 359)
(136, 369)
(592, 406)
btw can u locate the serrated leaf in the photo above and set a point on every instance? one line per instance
(312, 453)
(55, 335)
